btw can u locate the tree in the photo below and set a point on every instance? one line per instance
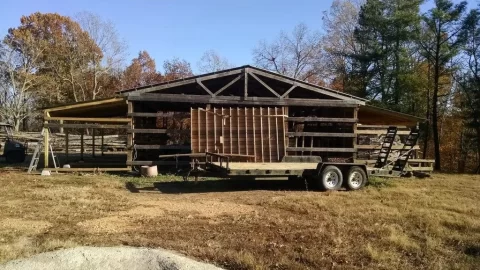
(339, 40)
(17, 83)
(212, 62)
(106, 37)
(68, 55)
(385, 37)
(298, 55)
(441, 43)
(176, 69)
(469, 80)
(142, 71)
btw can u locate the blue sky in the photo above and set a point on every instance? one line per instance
(185, 29)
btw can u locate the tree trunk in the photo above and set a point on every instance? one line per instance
(463, 154)
(478, 150)
(436, 138)
(427, 124)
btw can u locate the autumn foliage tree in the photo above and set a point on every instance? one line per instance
(176, 68)
(142, 71)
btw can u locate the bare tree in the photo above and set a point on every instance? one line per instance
(339, 41)
(298, 55)
(113, 50)
(17, 82)
(211, 61)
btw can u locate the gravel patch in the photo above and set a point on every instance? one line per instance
(105, 258)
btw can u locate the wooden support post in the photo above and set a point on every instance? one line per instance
(207, 110)
(284, 137)
(355, 116)
(246, 131)
(230, 123)
(130, 136)
(276, 133)
(269, 138)
(198, 126)
(261, 130)
(46, 146)
(254, 136)
(303, 143)
(93, 142)
(215, 129)
(238, 131)
(81, 144)
(61, 129)
(103, 142)
(66, 147)
(311, 145)
(222, 141)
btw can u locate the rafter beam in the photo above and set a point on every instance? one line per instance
(199, 82)
(307, 86)
(289, 90)
(228, 85)
(264, 84)
(181, 82)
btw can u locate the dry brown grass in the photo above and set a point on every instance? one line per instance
(410, 224)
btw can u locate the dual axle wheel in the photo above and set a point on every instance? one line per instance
(331, 178)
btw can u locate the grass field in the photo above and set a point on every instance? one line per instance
(401, 224)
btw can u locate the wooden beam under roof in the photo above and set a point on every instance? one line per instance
(204, 87)
(322, 119)
(177, 83)
(228, 85)
(256, 101)
(305, 85)
(87, 119)
(264, 84)
(85, 104)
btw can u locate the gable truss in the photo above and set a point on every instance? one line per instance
(245, 73)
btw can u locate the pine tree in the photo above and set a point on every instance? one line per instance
(387, 32)
(470, 79)
(441, 43)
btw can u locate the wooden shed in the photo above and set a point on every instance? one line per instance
(247, 113)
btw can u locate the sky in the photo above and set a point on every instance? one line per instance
(185, 29)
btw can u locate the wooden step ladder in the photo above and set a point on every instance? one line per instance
(406, 151)
(386, 147)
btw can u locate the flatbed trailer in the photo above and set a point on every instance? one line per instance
(324, 175)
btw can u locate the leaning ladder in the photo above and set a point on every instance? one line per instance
(36, 156)
(386, 147)
(405, 152)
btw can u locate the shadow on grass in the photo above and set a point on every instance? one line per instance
(177, 187)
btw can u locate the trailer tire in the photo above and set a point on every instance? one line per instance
(331, 178)
(357, 178)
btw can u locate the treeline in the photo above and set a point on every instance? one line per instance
(388, 51)
(50, 59)
(424, 63)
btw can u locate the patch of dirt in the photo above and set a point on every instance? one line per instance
(124, 221)
(203, 208)
(24, 226)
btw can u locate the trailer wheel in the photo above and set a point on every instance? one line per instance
(331, 178)
(357, 178)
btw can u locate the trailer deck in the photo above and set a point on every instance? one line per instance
(265, 169)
